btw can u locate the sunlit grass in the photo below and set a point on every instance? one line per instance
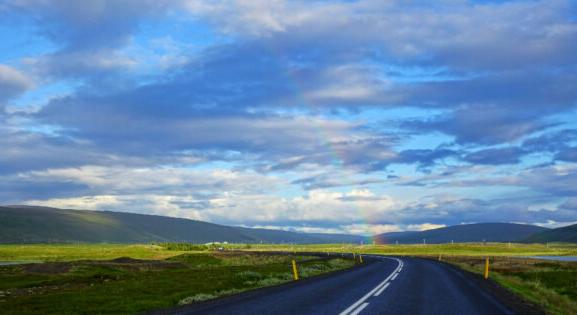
(81, 279)
(460, 249)
(67, 252)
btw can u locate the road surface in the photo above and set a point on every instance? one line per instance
(386, 285)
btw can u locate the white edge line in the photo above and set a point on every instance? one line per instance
(395, 276)
(366, 296)
(382, 289)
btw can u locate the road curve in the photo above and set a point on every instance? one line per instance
(385, 285)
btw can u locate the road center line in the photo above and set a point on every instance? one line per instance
(382, 289)
(360, 308)
(375, 289)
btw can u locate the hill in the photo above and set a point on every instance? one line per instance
(480, 232)
(563, 234)
(23, 224)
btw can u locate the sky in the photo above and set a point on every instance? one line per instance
(361, 117)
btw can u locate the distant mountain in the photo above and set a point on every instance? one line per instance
(563, 234)
(489, 232)
(23, 224)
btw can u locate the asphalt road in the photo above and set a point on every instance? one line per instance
(384, 286)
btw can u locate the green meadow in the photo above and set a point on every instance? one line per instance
(130, 279)
(68, 252)
(457, 249)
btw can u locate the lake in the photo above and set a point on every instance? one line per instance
(557, 258)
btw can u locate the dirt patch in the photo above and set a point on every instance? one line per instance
(48, 268)
(125, 263)
(131, 264)
(128, 260)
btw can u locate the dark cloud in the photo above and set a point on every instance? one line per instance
(88, 25)
(424, 157)
(24, 151)
(12, 84)
(570, 204)
(460, 211)
(510, 155)
(551, 141)
(87, 34)
(568, 154)
(15, 190)
(333, 180)
(484, 124)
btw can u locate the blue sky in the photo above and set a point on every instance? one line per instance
(327, 116)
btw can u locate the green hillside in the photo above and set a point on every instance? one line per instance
(566, 234)
(465, 233)
(49, 225)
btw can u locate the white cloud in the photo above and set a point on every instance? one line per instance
(162, 180)
(408, 30)
(370, 229)
(424, 227)
(258, 17)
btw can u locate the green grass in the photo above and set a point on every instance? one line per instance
(460, 249)
(67, 252)
(185, 275)
(71, 286)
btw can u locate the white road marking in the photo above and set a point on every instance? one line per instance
(358, 310)
(375, 289)
(382, 289)
(395, 276)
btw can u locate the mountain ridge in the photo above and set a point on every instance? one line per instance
(566, 234)
(464, 233)
(30, 224)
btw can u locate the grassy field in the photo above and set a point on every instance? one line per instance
(458, 249)
(549, 284)
(94, 276)
(129, 286)
(67, 252)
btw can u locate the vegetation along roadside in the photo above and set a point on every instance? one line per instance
(127, 285)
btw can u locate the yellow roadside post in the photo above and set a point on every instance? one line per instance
(295, 270)
(361, 258)
(486, 267)
(354, 257)
(440, 258)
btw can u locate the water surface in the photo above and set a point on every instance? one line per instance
(19, 262)
(557, 258)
